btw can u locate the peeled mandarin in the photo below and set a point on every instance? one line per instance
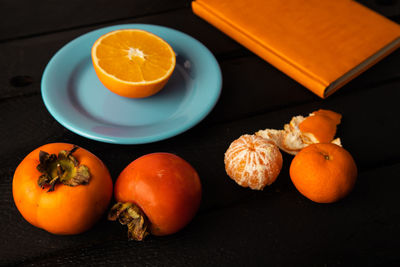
(252, 161)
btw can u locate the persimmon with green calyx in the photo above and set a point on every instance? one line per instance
(158, 193)
(62, 188)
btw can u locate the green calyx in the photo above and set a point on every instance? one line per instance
(62, 168)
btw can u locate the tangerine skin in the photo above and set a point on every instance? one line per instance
(66, 210)
(165, 187)
(323, 172)
(322, 125)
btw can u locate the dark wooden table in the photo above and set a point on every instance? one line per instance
(235, 226)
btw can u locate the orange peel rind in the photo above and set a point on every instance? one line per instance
(318, 127)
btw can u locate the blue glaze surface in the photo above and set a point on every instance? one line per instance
(75, 97)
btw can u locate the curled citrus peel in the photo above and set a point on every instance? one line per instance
(318, 127)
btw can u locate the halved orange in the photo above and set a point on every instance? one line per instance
(133, 63)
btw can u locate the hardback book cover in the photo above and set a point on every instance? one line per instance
(319, 43)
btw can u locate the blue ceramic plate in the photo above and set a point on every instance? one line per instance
(76, 98)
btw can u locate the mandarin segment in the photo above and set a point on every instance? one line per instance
(133, 63)
(252, 161)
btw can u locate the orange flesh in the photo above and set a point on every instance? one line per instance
(134, 56)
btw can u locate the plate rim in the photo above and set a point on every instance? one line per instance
(130, 140)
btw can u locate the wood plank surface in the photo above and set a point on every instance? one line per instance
(235, 226)
(221, 192)
(28, 18)
(366, 234)
(31, 18)
(18, 55)
(29, 56)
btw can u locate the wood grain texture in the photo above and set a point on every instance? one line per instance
(388, 8)
(235, 226)
(29, 56)
(220, 194)
(27, 18)
(267, 233)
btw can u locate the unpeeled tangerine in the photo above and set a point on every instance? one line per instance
(252, 161)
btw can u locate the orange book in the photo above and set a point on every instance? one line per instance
(321, 44)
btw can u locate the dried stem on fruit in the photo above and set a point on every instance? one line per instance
(132, 216)
(62, 168)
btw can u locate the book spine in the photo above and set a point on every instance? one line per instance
(267, 54)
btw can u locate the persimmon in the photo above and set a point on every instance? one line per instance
(252, 161)
(323, 172)
(62, 188)
(158, 193)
